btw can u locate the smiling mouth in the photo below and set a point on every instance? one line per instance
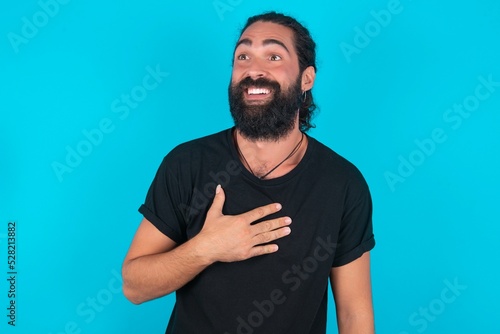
(257, 95)
(258, 91)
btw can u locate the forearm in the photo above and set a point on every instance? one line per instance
(152, 276)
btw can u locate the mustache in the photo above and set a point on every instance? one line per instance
(258, 83)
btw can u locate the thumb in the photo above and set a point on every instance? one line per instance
(218, 202)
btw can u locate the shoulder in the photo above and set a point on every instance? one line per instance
(215, 143)
(331, 160)
(200, 153)
(335, 167)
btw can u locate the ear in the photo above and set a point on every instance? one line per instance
(308, 77)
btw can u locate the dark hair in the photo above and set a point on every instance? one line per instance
(306, 52)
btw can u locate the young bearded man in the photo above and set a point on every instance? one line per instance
(285, 214)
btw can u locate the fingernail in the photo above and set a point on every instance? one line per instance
(217, 189)
(288, 220)
(278, 206)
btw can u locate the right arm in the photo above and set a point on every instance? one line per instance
(155, 266)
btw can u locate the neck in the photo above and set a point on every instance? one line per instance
(261, 156)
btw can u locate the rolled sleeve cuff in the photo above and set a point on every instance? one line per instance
(160, 224)
(355, 253)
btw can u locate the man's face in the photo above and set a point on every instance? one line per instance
(265, 88)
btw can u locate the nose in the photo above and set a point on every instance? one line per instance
(256, 69)
(255, 74)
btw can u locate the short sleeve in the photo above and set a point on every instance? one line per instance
(356, 230)
(162, 205)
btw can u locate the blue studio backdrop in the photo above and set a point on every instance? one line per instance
(93, 94)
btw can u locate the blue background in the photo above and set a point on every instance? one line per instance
(437, 224)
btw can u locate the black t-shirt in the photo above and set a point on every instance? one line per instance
(284, 292)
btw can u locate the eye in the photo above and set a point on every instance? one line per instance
(275, 57)
(242, 56)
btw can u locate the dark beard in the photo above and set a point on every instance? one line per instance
(270, 121)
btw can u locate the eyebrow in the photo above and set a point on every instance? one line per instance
(266, 42)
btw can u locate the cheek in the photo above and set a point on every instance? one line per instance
(286, 74)
(287, 81)
(236, 74)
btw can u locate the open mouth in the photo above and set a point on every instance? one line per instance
(257, 94)
(258, 91)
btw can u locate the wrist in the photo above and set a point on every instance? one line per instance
(201, 250)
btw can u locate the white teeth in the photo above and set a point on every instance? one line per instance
(255, 91)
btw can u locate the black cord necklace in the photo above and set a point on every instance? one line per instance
(295, 149)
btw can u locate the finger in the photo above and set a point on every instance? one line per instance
(261, 212)
(264, 249)
(266, 237)
(218, 202)
(270, 225)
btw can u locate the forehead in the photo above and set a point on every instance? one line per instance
(261, 31)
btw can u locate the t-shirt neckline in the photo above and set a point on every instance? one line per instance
(274, 181)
